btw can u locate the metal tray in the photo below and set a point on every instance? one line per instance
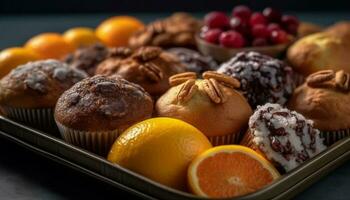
(56, 149)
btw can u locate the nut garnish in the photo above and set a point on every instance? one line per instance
(147, 53)
(320, 79)
(342, 80)
(152, 71)
(222, 78)
(120, 52)
(187, 91)
(181, 78)
(213, 89)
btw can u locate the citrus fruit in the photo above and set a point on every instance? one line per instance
(160, 149)
(116, 31)
(49, 45)
(228, 171)
(12, 57)
(80, 36)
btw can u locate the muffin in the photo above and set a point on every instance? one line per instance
(29, 92)
(211, 104)
(307, 28)
(320, 51)
(263, 79)
(87, 58)
(323, 99)
(149, 67)
(178, 30)
(96, 110)
(194, 61)
(284, 137)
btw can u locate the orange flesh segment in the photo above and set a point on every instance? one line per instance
(231, 174)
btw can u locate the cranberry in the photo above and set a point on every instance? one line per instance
(217, 20)
(273, 27)
(243, 12)
(258, 42)
(271, 14)
(239, 25)
(288, 20)
(279, 37)
(212, 35)
(292, 29)
(260, 30)
(232, 39)
(257, 18)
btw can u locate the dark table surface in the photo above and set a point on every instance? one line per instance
(25, 175)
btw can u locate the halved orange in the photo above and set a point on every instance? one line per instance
(228, 171)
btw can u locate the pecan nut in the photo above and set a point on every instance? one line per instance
(342, 80)
(222, 78)
(214, 91)
(181, 78)
(187, 90)
(147, 53)
(320, 79)
(152, 71)
(122, 52)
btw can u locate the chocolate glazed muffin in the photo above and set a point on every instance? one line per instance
(149, 67)
(263, 79)
(29, 93)
(284, 137)
(87, 58)
(96, 110)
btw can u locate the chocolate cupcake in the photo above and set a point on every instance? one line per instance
(96, 110)
(29, 93)
(211, 104)
(178, 30)
(194, 61)
(87, 58)
(324, 99)
(263, 79)
(284, 137)
(149, 67)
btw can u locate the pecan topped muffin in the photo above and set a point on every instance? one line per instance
(263, 79)
(149, 67)
(211, 104)
(98, 109)
(284, 137)
(323, 98)
(177, 30)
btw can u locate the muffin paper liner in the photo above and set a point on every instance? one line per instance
(41, 119)
(98, 142)
(225, 139)
(330, 137)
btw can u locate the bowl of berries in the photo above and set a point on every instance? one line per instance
(268, 32)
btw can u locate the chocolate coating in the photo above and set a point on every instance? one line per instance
(194, 61)
(263, 79)
(103, 103)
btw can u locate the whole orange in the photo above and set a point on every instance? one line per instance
(50, 45)
(116, 31)
(12, 57)
(80, 36)
(160, 149)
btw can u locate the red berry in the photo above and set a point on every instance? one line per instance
(279, 37)
(217, 20)
(260, 31)
(288, 20)
(257, 18)
(272, 15)
(273, 27)
(243, 12)
(231, 39)
(212, 35)
(292, 29)
(258, 42)
(239, 25)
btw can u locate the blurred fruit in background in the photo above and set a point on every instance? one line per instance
(80, 36)
(12, 57)
(160, 149)
(116, 31)
(50, 45)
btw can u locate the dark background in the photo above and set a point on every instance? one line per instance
(88, 6)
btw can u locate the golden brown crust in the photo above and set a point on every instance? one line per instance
(37, 84)
(176, 30)
(101, 103)
(324, 50)
(149, 67)
(323, 99)
(208, 104)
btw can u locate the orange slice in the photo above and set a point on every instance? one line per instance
(228, 171)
